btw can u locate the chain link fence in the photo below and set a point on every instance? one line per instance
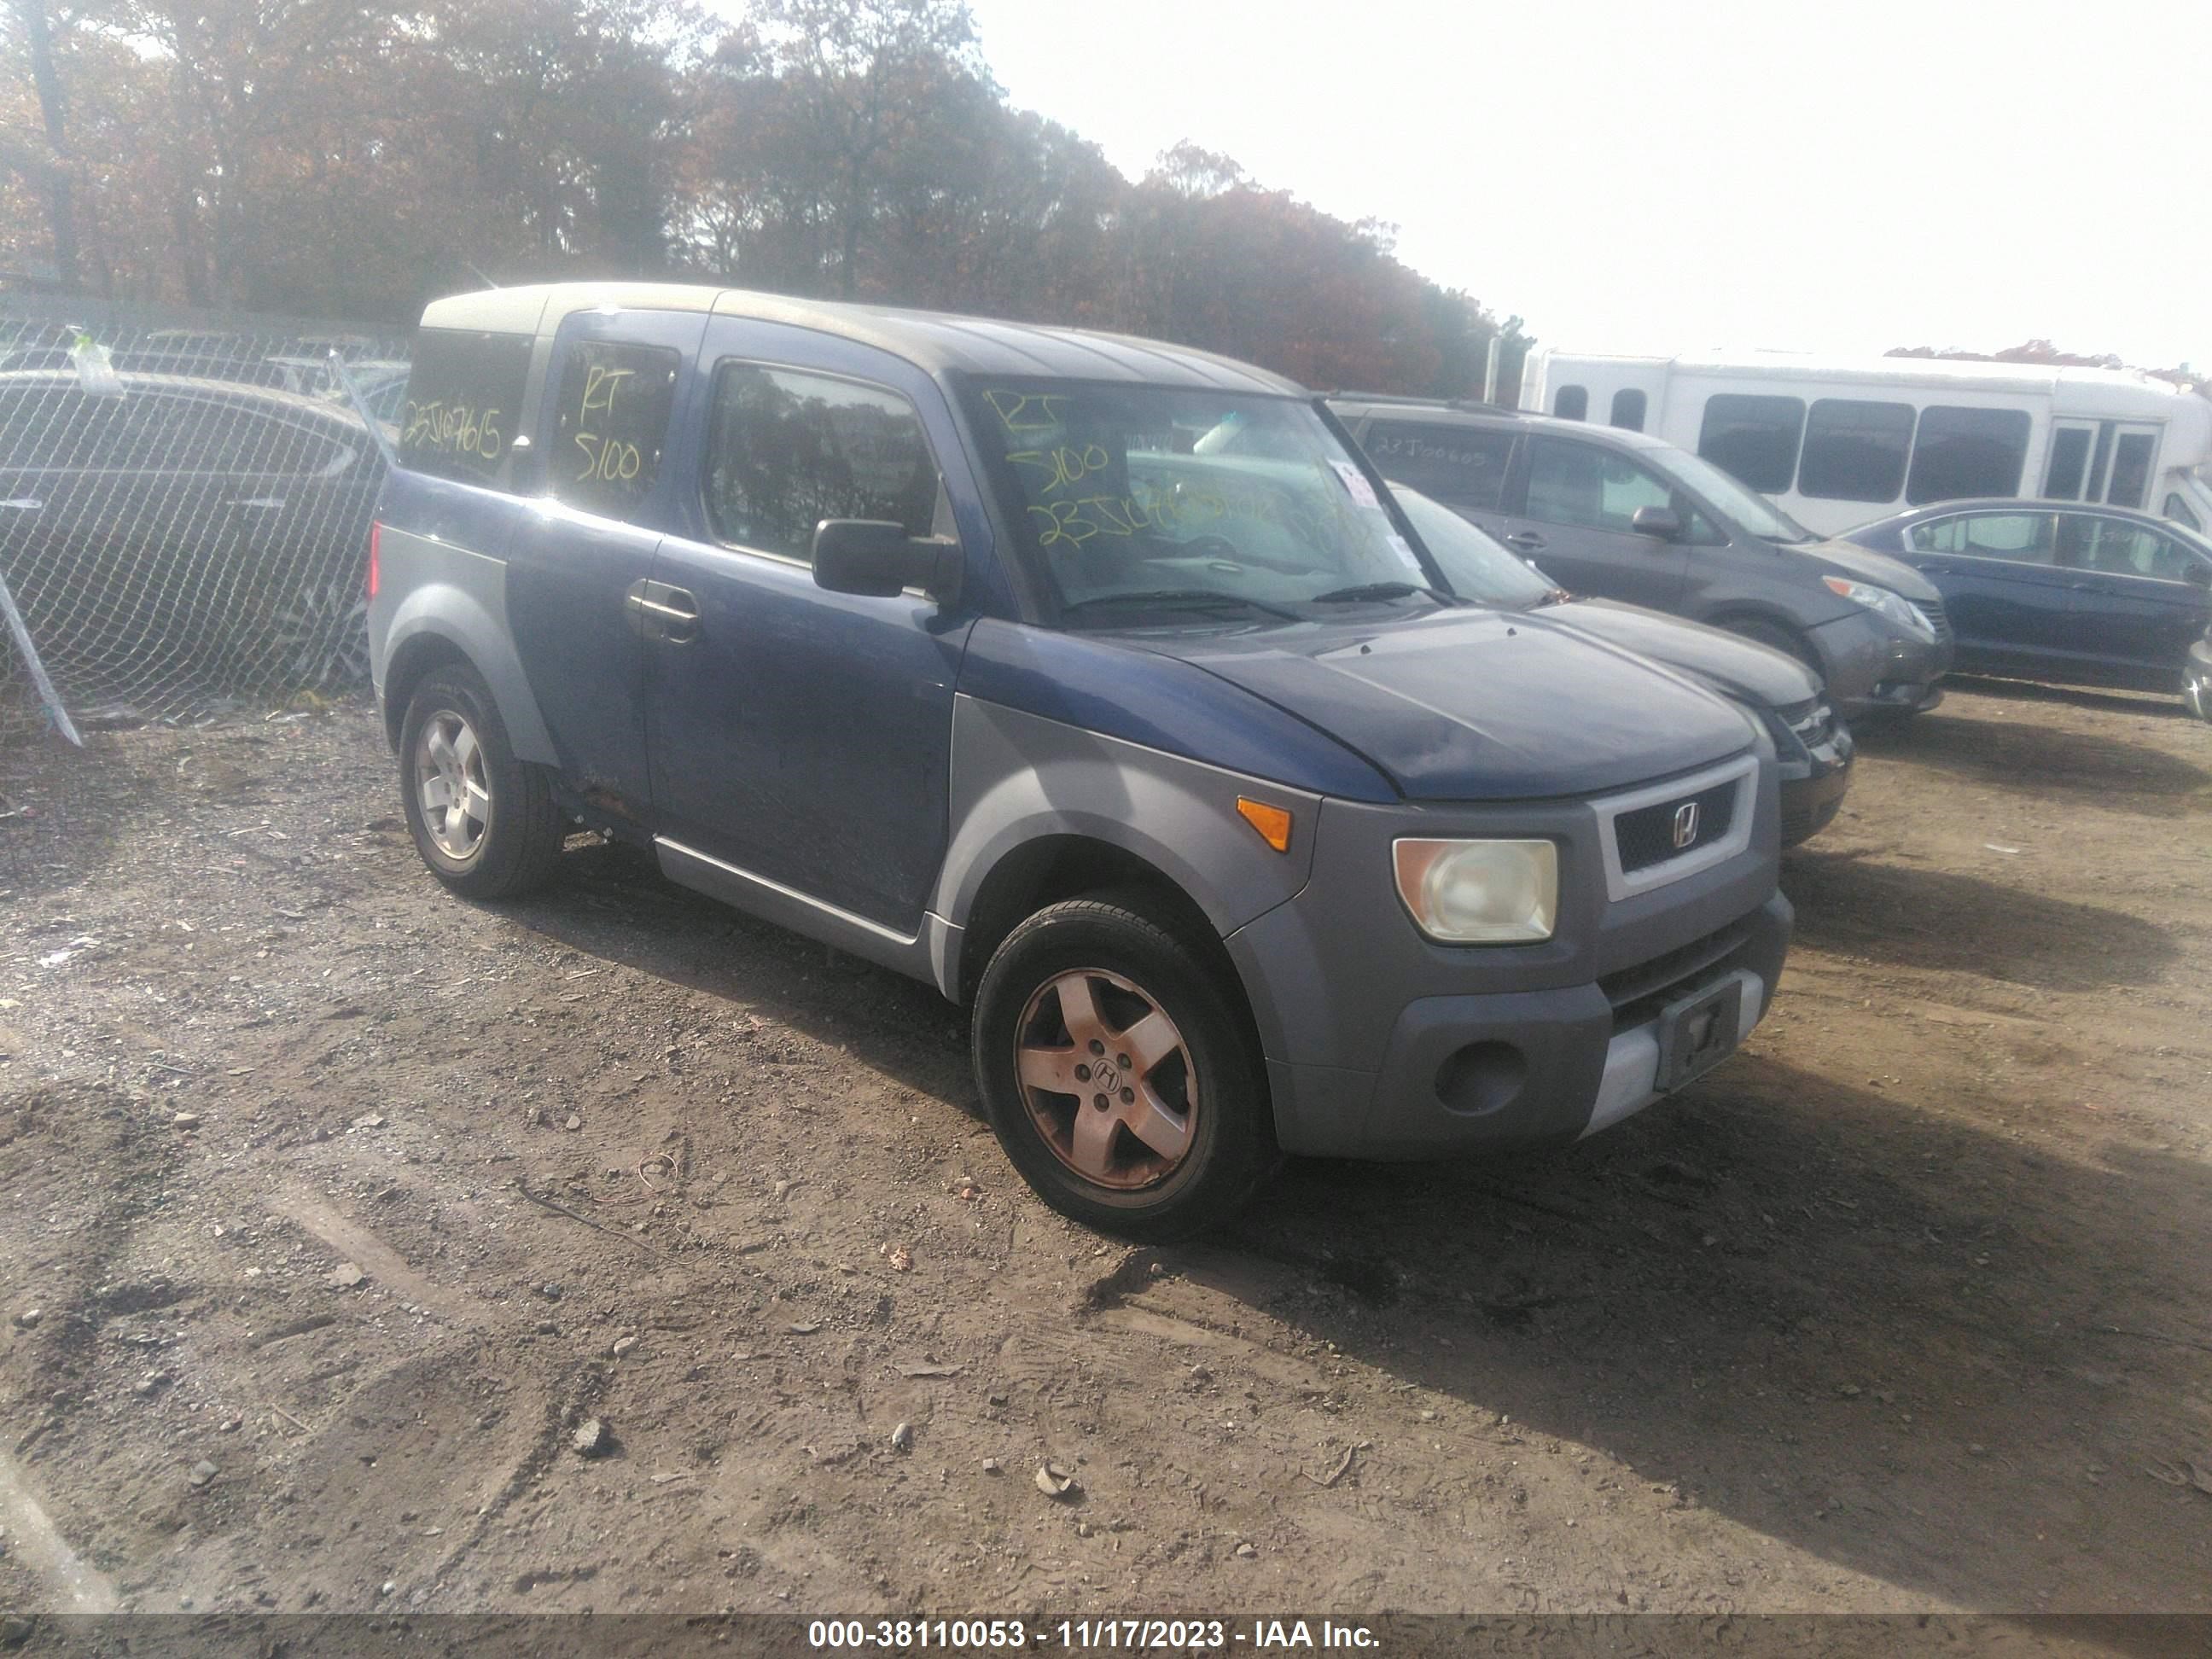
(185, 510)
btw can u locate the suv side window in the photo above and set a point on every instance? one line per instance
(2017, 538)
(464, 396)
(1573, 483)
(1463, 465)
(786, 449)
(610, 423)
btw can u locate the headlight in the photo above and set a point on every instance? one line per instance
(1480, 892)
(1884, 603)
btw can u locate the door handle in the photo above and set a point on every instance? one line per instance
(257, 503)
(24, 504)
(659, 612)
(1527, 540)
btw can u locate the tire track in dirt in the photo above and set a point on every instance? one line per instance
(32, 1540)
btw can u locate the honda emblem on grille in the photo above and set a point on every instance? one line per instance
(1686, 824)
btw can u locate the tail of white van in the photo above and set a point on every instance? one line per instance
(1838, 440)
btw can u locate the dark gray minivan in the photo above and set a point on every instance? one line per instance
(1621, 515)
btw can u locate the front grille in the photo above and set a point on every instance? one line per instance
(1639, 992)
(1647, 835)
(1938, 618)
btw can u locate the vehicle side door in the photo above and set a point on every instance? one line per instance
(801, 739)
(2142, 597)
(579, 597)
(2011, 606)
(1571, 510)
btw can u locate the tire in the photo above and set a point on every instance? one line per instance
(1776, 637)
(1192, 1168)
(511, 845)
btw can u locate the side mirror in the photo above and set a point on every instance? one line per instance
(1661, 524)
(876, 559)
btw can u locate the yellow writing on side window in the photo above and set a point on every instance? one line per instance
(447, 428)
(607, 459)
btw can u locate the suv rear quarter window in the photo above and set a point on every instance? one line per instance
(1463, 465)
(463, 398)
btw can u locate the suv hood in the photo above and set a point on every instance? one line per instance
(1743, 667)
(1475, 705)
(1864, 564)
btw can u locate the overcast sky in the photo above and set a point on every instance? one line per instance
(1852, 176)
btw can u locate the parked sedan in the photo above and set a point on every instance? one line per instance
(204, 516)
(2051, 591)
(1813, 746)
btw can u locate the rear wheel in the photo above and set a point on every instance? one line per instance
(484, 821)
(1119, 1076)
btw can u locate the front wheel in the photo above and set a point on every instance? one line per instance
(1117, 1073)
(1776, 637)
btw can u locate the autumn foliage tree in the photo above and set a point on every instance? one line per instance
(351, 158)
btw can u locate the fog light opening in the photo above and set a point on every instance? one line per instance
(1481, 1077)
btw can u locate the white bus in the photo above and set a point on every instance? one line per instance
(1835, 442)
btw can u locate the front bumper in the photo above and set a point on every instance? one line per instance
(2197, 680)
(1380, 1044)
(1814, 784)
(1873, 669)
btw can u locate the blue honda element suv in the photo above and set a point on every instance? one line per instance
(1097, 682)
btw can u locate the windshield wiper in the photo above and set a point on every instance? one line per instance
(1378, 591)
(1189, 598)
(1554, 596)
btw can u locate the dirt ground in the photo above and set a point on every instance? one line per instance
(343, 1205)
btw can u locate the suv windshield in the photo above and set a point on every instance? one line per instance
(1195, 504)
(1750, 512)
(1477, 568)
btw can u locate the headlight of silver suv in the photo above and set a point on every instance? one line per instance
(1884, 603)
(1480, 892)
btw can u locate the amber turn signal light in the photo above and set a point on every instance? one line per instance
(1273, 823)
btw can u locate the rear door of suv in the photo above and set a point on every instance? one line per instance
(578, 598)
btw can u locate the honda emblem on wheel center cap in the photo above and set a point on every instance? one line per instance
(1686, 824)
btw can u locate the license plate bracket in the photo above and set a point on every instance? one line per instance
(1698, 1032)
